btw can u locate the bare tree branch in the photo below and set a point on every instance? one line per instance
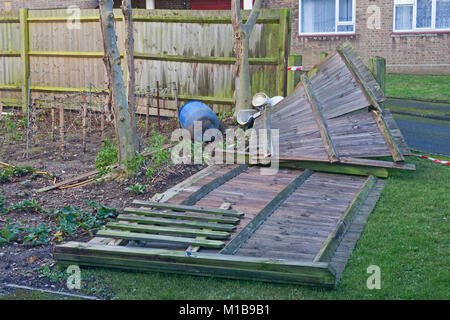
(253, 16)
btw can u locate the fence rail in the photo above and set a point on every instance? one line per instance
(194, 49)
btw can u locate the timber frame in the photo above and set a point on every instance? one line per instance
(221, 239)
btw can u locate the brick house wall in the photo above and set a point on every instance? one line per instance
(173, 4)
(49, 4)
(425, 53)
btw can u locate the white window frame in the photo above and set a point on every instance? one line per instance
(336, 23)
(414, 29)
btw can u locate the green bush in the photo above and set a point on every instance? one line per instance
(106, 157)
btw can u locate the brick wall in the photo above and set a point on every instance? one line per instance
(425, 53)
(49, 4)
(173, 4)
(90, 4)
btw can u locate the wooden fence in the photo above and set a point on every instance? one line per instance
(194, 49)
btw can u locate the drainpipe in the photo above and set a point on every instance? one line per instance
(150, 4)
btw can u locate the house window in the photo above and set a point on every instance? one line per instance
(421, 15)
(326, 17)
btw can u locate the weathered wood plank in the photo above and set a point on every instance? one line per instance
(176, 222)
(214, 184)
(358, 170)
(188, 208)
(253, 225)
(334, 239)
(168, 230)
(333, 155)
(175, 215)
(150, 237)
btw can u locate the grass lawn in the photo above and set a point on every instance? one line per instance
(407, 236)
(418, 87)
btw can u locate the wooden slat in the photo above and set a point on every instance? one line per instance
(362, 71)
(334, 238)
(371, 88)
(187, 208)
(387, 136)
(214, 184)
(253, 225)
(378, 163)
(191, 249)
(176, 215)
(160, 238)
(168, 230)
(333, 155)
(176, 222)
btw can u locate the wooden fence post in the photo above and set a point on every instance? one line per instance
(85, 126)
(377, 66)
(53, 118)
(102, 122)
(322, 55)
(283, 50)
(24, 55)
(293, 77)
(147, 114)
(62, 129)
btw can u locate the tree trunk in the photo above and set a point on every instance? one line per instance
(110, 110)
(124, 131)
(243, 90)
(129, 51)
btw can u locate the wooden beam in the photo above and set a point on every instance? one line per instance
(335, 238)
(332, 153)
(165, 19)
(148, 56)
(293, 77)
(176, 215)
(214, 184)
(378, 163)
(160, 238)
(189, 208)
(176, 222)
(387, 136)
(168, 230)
(233, 246)
(284, 39)
(359, 170)
(203, 264)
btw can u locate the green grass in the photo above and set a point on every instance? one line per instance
(407, 236)
(425, 111)
(418, 87)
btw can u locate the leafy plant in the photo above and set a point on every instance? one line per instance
(159, 156)
(67, 220)
(26, 204)
(106, 157)
(38, 235)
(10, 231)
(55, 276)
(137, 188)
(16, 171)
(12, 129)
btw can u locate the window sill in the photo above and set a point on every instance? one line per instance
(327, 35)
(418, 33)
